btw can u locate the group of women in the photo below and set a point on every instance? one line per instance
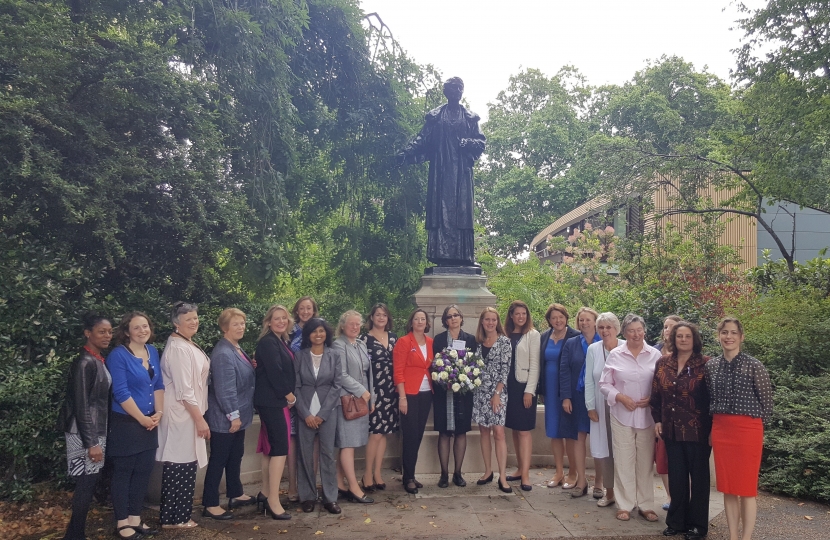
(321, 393)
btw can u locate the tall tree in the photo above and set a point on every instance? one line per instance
(683, 131)
(784, 65)
(535, 132)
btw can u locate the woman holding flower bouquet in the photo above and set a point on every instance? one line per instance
(453, 411)
(521, 387)
(411, 362)
(490, 398)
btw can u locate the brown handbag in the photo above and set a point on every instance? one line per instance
(353, 407)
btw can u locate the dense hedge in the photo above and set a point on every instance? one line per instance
(797, 441)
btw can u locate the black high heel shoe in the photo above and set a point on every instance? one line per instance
(367, 488)
(504, 489)
(261, 500)
(362, 500)
(272, 515)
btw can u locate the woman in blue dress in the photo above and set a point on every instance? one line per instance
(574, 424)
(551, 349)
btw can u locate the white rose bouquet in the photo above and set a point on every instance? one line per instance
(458, 371)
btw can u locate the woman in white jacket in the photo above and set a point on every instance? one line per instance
(183, 429)
(521, 387)
(608, 327)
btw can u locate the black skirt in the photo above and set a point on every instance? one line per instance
(462, 409)
(277, 429)
(517, 417)
(127, 437)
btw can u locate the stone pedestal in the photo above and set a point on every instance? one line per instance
(463, 286)
(467, 288)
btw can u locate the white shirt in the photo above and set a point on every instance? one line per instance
(425, 387)
(314, 407)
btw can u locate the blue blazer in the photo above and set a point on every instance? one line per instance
(231, 388)
(570, 366)
(543, 343)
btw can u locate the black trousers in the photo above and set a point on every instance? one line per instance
(226, 450)
(688, 461)
(130, 477)
(413, 424)
(81, 500)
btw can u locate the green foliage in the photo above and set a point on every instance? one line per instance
(535, 132)
(788, 329)
(31, 446)
(797, 441)
(223, 153)
(813, 274)
(42, 293)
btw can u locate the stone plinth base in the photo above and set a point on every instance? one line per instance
(443, 287)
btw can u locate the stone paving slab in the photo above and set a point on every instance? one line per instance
(470, 512)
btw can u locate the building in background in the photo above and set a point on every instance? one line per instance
(807, 229)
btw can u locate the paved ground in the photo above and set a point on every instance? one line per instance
(470, 512)
(481, 512)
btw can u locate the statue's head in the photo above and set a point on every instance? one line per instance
(454, 88)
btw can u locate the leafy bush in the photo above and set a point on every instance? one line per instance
(42, 293)
(797, 442)
(31, 448)
(788, 329)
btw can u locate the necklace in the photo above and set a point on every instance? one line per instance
(181, 336)
(191, 342)
(93, 353)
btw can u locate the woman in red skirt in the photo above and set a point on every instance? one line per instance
(741, 400)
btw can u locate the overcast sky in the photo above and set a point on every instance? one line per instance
(486, 41)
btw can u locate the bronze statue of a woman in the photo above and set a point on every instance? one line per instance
(451, 141)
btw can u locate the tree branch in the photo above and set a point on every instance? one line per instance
(815, 39)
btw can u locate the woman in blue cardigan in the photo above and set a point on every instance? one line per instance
(574, 424)
(137, 405)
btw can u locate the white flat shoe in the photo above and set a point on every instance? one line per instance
(603, 502)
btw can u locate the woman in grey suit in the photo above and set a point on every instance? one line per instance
(357, 381)
(230, 412)
(319, 376)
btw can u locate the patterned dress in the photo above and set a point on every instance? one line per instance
(385, 418)
(496, 370)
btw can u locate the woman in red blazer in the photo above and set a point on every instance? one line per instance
(411, 359)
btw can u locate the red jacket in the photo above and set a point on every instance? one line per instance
(409, 363)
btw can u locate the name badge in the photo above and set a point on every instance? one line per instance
(459, 345)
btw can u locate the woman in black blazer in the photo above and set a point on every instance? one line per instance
(458, 424)
(273, 394)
